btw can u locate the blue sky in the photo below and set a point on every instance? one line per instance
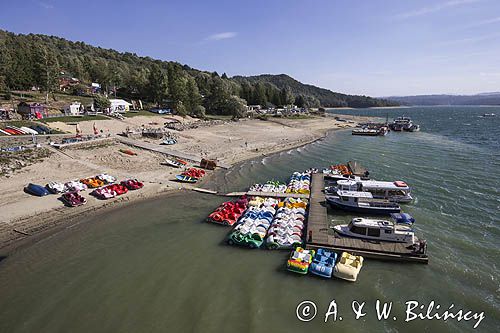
(374, 47)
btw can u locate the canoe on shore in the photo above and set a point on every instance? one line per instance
(186, 179)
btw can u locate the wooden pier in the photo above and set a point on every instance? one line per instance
(319, 237)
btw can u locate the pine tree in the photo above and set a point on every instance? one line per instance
(46, 70)
(158, 84)
(193, 97)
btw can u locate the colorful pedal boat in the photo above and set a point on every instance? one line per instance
(299, 261)
(323, 263)
(92, 182)
(73, 199)
(348, 267)
(132, 184)
(251, 240)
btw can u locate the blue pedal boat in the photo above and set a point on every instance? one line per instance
(323, 263)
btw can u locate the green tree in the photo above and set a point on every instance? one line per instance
(158, 84)
(236, 107)
(199, 111)
(193, 97)
(180, 109)
(46, 70)
(101, 102)
(176, 82)
(287, 97)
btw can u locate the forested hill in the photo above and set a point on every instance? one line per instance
(40, 61)
(324, 96)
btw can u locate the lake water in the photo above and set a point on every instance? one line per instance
(157, 266)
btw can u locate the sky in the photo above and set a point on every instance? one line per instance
(370, 47)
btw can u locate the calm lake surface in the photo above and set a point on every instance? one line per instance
(158, 267)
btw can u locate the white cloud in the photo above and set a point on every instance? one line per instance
(484, 22)
(435, 8)
(222, 35)
(45, 5)
(470, 39)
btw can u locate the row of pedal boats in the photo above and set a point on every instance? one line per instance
(277, 224)
(263, 222)
(299, 182)
(104, 187)
(24, 130)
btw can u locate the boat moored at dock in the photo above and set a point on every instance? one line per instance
(361, 202)
(397, 191)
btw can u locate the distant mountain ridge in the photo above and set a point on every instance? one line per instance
(326, 97)
(489, 98)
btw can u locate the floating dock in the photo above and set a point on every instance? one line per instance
(318, 236)
(269, 194)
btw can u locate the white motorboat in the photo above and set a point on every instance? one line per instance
(397, 191)
(361, 202)
(398, 230)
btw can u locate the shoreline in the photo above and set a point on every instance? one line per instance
(38, 226)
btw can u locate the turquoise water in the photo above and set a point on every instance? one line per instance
(156, 266)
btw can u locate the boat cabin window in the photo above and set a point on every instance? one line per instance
(373, 232)
(388, 231)
(358, 230)
(345, 199)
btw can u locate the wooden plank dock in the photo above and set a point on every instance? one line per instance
(317, 224)
(318, 236)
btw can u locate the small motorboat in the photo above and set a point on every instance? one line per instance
(323, 263)
(397, 191)
(486, 115)
(398, 230)
(104, 193)
(169, 142)
(55, 187)
(299, 260)
(361, 202)
(348, 267)
(186, 179)
(132, 184)
(365, 131)
(37, 190)
(172, 163)
(73, 199)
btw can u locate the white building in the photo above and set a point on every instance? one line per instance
(74, 109)
(119, 106)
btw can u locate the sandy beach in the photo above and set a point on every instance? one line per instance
(25, 216)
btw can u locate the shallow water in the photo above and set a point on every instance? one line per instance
(156, 266)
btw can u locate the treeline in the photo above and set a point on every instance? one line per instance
(312, 94)
(38, 60)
